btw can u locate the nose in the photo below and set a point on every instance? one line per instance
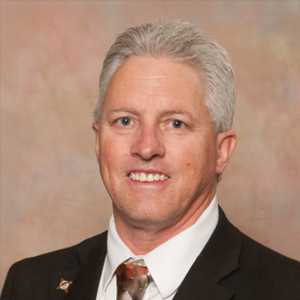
(148, 143)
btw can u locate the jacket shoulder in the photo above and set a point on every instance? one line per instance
(35, 273)
(60, 259)
(263, 272)
(274, 264)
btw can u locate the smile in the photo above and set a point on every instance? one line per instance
(147, 177)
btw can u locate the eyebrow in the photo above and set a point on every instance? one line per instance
(178, 112)
(123, 109)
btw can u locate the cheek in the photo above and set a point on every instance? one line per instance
(196, 162)
(187, 163)
(107, 156)
(114, 155)
(111, 147)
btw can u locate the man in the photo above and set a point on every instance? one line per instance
(163, 138)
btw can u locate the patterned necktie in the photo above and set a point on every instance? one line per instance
(132, 280)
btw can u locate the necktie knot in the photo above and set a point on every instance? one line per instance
(132, 281)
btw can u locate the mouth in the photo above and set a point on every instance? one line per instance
(147, 177)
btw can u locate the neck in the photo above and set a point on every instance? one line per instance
(142, 237)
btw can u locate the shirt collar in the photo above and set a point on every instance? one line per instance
(169, 262)
(117, 252)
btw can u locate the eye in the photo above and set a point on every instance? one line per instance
(125, 121)
(177, 124)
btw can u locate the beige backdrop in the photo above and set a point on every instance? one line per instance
(51, 55)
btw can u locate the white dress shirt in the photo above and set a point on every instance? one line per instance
(168, 263)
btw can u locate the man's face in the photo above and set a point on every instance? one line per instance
(156, 146)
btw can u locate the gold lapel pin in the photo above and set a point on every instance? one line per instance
(64, 285)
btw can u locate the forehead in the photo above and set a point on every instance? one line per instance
(148, 80)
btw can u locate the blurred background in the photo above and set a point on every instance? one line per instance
(51, 55)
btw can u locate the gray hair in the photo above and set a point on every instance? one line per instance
(183, 42)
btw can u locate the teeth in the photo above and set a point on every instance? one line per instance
(143, 177)
(147, 177)
(150, 177)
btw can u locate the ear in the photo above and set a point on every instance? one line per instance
(97, 141)
(226, 142)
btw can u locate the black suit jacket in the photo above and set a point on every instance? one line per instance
(231, 266)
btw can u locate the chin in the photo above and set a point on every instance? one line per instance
(147, 218)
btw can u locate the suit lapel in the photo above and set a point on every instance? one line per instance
(219, 259)
(86, 277)
(85, 285)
